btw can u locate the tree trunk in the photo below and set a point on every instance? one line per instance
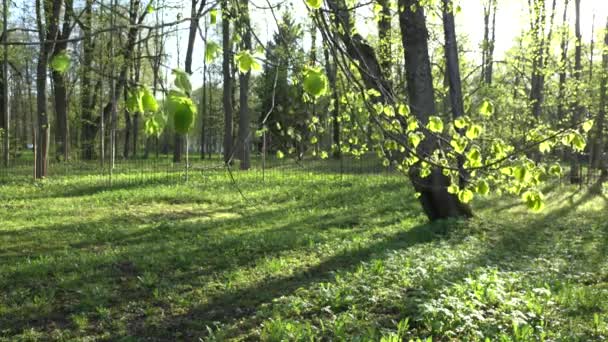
(562, 68)
(227, 87)
(575, 167)
(86, 98)
(47, 18)
(5, 120)
(600, 161)
(436, 201)
(453, 73)
(62, 141)
(244, 114)
(332, 73)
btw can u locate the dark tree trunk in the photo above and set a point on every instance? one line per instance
(332, 73)
(244, 114)
(436, 201)
(135, 134)
(384, 37)
(562, 67)
(600, 161)
(62, 138)
(61, 112)
(47, 18)
(453, 73)
(227, 91)
(575, 166)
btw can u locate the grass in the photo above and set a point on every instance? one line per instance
(303, 256)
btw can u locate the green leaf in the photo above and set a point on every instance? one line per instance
(314, 4)
(149, 102)
(412, 124)
(465, 195)
(315, 81)
(473, 132)
(482, 188)
(134, 101)
(453, 189)
(474, 157)
(459, 144)
(435, 124)
(150, 9)
(280, 154)
(415, 139)
(522, 174)
(486, 108)
(213, 16)
(246, 62)
(183, 111)
(212, 50)
(555, 170)
(587, 125)
(61, 62)
(545, 147)
(404, 110)
(182, 81)
(460, 123)
(533, 199)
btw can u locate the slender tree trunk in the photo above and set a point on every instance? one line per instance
(47, 17)
(575, 167)
(86, 102)
(332, 73)
(5, 123)
(244, 132)
(453, 72)
(600, 161)
(563, 61)
(227, 92)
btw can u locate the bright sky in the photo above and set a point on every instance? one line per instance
(511, 19)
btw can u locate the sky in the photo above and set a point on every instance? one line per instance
(512, 17)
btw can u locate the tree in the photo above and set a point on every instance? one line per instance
(4, 100)
(60, 94)
(47, 19)
(575, 167)
(226, 70)
(244, 133)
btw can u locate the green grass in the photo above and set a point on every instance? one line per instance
(304, 256)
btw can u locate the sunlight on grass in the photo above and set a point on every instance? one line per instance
(297, 259)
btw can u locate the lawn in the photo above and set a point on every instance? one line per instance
(299, 257)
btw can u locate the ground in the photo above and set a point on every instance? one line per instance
(299, 256)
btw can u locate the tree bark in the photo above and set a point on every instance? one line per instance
(601, 162)
(436, 201)
(47, 18)
(575, 167)
(86, 98)
(244, 133)
(453, 73)
(62, 138)
(227, 87)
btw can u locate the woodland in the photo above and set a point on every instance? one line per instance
(304, 170)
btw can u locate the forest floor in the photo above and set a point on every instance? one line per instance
(297, 258)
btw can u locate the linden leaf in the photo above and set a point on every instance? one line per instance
(61, 62)
(435, 124)
(315, 82)
(486, 108)
(314, 4)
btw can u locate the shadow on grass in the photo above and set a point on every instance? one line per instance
(186, 249)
